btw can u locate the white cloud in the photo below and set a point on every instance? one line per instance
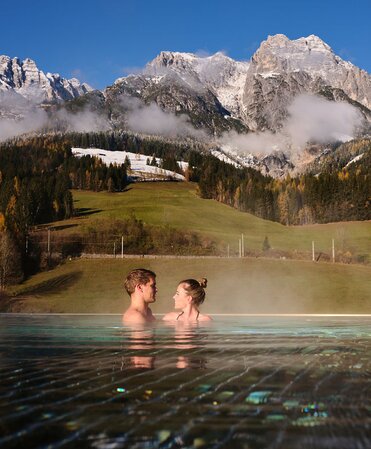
(315, 118)
(152, 119)
(311, 118)
(21, 115)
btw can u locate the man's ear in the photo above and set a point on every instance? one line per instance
(138, 287)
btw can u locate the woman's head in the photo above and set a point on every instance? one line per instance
(195, 289)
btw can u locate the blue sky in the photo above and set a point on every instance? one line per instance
(98, 41)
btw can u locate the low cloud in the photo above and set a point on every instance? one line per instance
(151, 119)
(311, 119)
(20, 115)
(82, 121)
(315, 118)
(256, 143)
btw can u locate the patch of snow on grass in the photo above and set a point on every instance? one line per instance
(138, 163)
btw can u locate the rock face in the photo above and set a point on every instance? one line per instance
(221, 94)
(207, 90)
(223, 76)
(281, 69)
(215, 94)
(25, 79)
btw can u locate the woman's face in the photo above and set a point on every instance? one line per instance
(181, 298)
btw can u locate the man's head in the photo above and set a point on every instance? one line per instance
(143, 282)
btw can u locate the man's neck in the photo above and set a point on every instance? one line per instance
(139, 305)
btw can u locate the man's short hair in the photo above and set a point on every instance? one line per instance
(139, 276)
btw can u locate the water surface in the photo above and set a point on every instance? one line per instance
(239, 382)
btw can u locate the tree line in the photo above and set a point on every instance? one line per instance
(338, 195)
(37, 173)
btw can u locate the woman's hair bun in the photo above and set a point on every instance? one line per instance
(203, 282)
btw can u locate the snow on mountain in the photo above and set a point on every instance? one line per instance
(24, 78)
(355, 159)
(221, 74)
(276, 164)
(259, 92)
(310, 54)
(185, 94)
(138, 163)
(282, 69)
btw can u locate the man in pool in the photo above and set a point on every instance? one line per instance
(141, 287)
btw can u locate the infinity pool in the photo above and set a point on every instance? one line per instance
(239, 382)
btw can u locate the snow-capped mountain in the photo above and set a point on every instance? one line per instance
(219, 93)
(176, 91)
(282, 68)
(25, 79)
(224, 76)
(205, 97)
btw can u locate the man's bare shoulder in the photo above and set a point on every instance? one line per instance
(133, 316)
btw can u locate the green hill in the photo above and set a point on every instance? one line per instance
(179, 206)
(247, 285)
(234, 286)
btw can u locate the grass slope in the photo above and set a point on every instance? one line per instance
(178, 205)
(235, 286)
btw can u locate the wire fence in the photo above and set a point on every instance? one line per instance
(52, 245)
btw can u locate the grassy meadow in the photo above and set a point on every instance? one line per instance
(178, 205)
(234, 286)
(248, 285)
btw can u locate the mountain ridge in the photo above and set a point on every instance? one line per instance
(206, 97)
(24, 78)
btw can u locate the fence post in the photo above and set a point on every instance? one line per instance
(49, 241)
(333, 251)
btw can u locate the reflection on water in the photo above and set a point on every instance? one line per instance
(88, 382)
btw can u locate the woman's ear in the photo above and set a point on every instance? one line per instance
(189, 299)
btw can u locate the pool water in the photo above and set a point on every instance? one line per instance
(239, 382)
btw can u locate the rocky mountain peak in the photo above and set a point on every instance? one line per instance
(25, 79)
(219, 73)
(171, 60)
(280, 54)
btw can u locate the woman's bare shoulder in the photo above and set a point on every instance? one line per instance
(171, 316)
(204, 318)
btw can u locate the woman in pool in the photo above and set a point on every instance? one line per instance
(189, 295)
